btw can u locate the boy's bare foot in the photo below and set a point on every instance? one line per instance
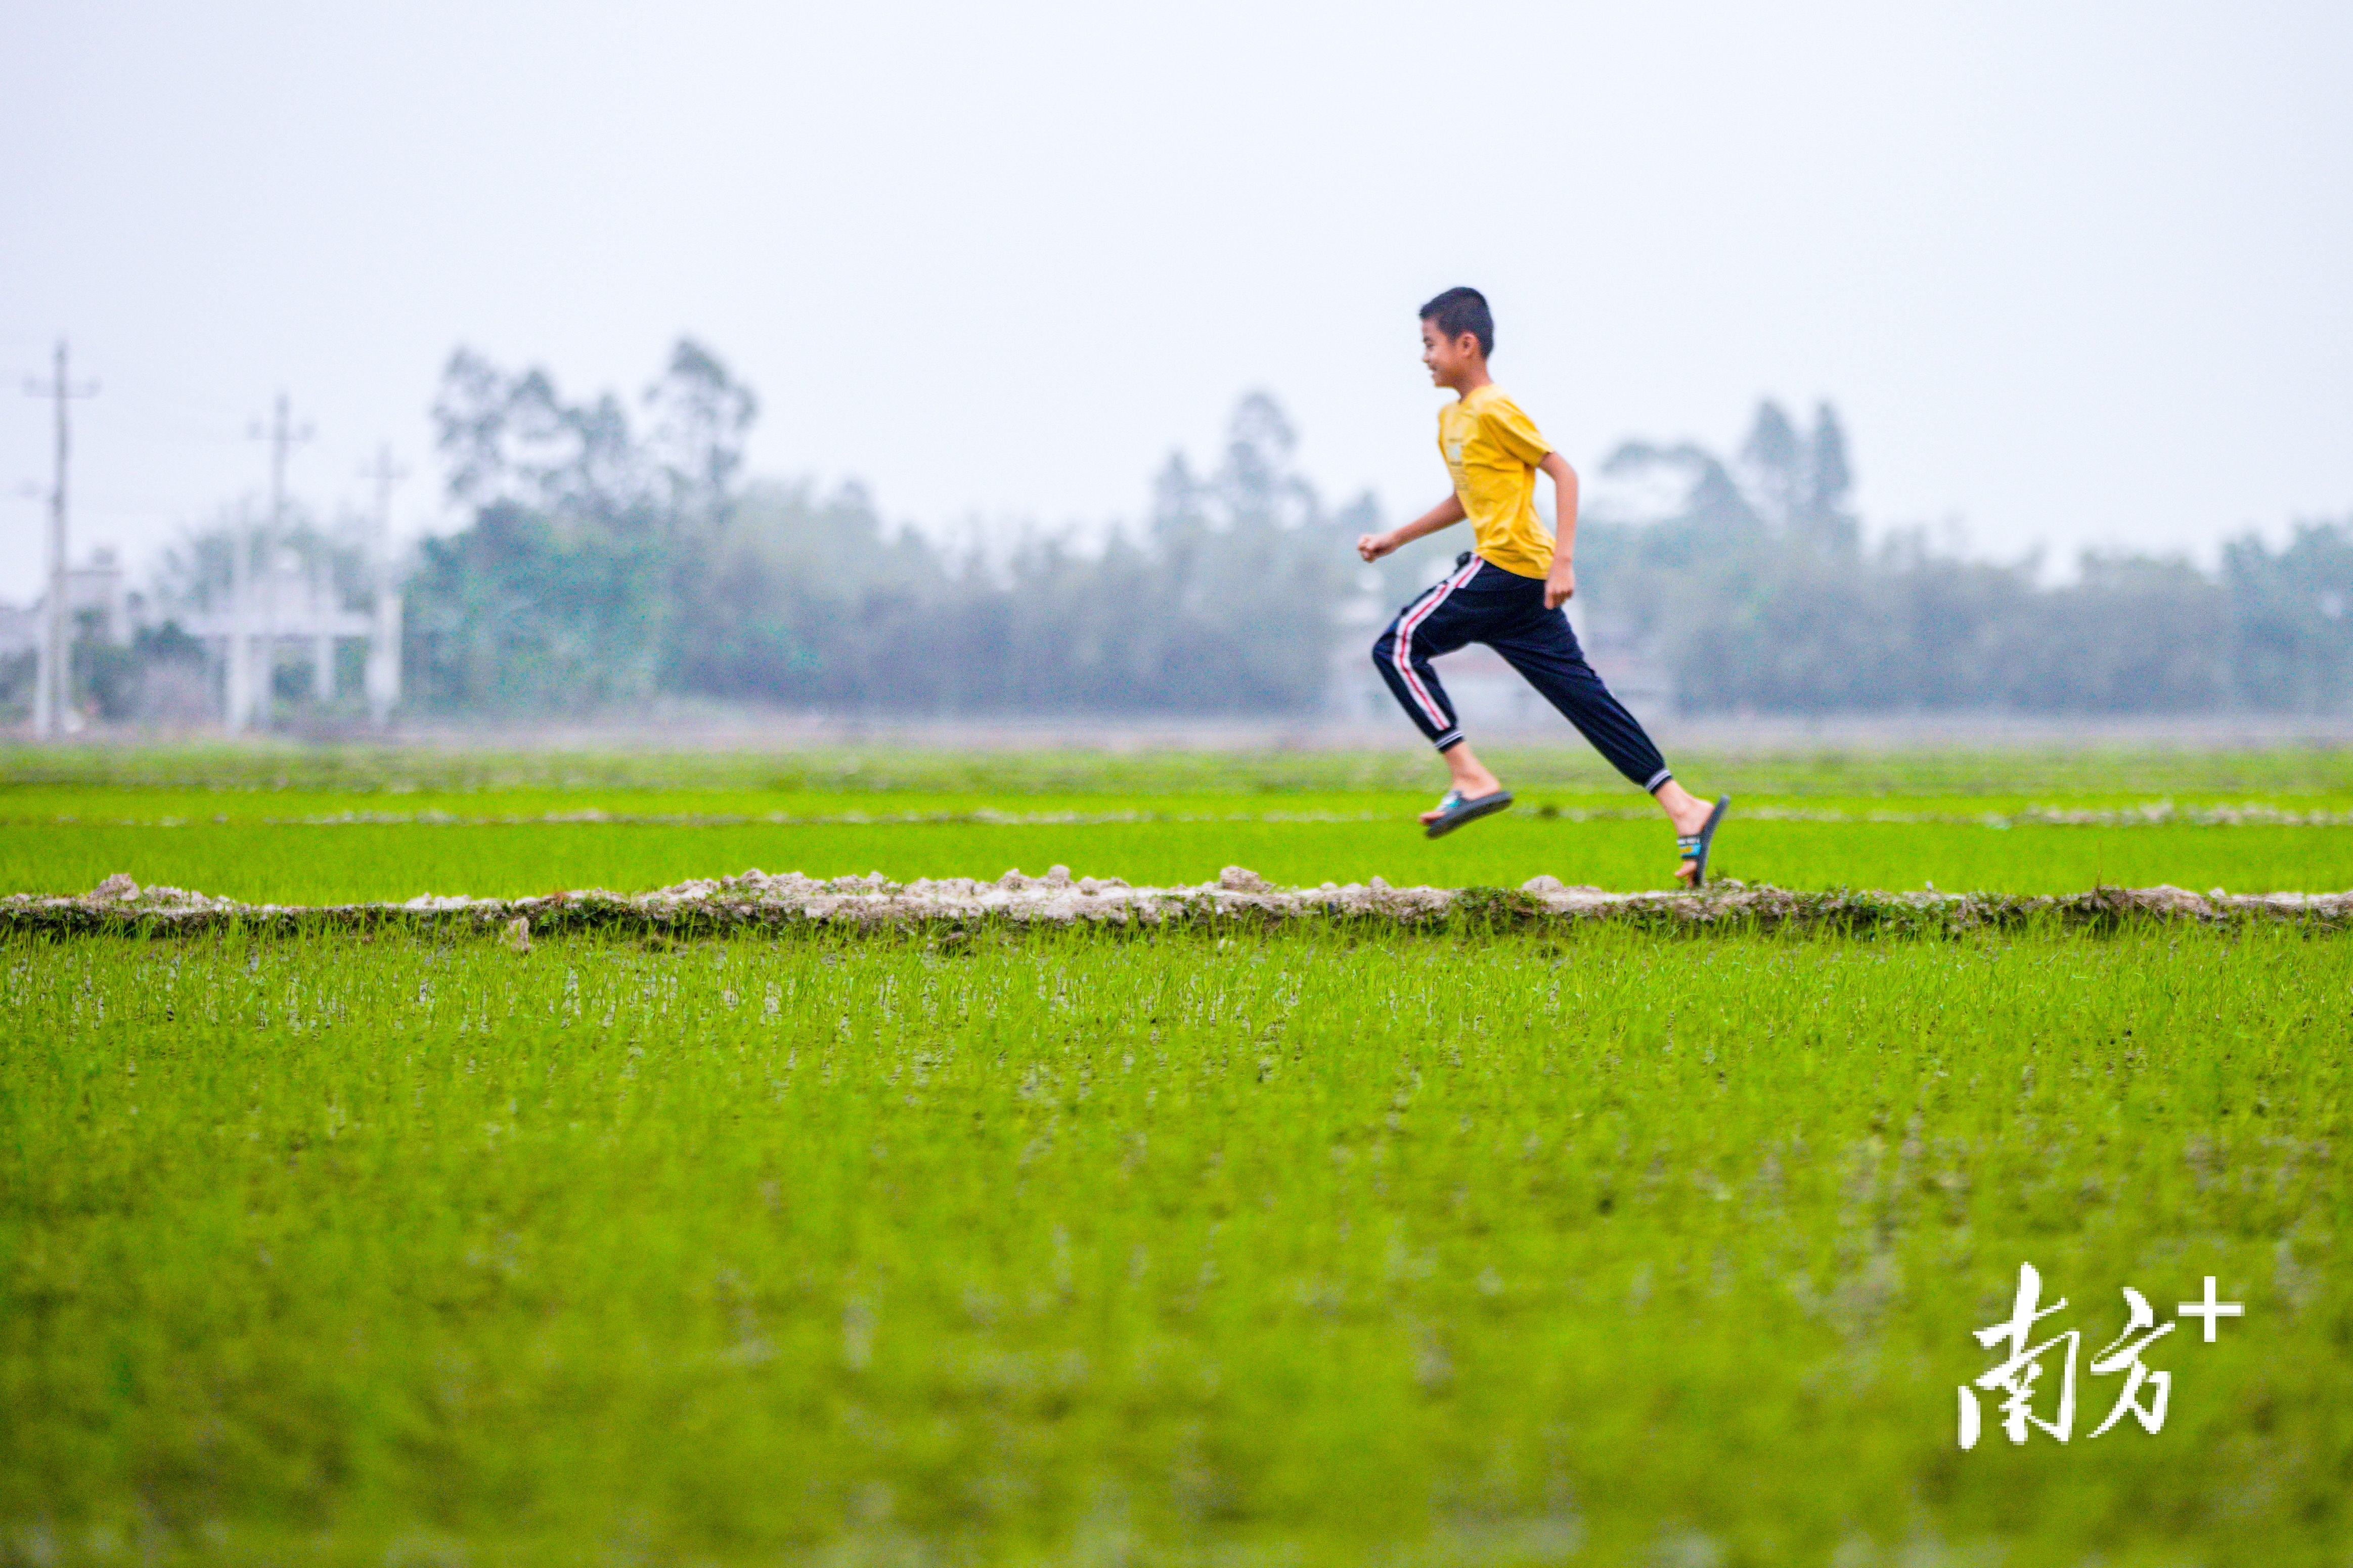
(1470, 779)
(1692, 848)
(1690, 814)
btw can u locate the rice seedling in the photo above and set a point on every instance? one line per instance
(1304, 1247)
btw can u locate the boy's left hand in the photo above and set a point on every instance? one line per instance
(1561, 585)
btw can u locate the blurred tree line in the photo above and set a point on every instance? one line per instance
(610, 560)
(605, 564)
(615, 550)
(1753, 585)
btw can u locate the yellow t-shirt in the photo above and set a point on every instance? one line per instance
(1492, 449)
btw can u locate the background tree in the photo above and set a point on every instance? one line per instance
(604, 565)
(1822, 516)
(1757, 602)
(2291, 620)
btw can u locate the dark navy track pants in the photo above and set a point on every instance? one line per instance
(1484, 604)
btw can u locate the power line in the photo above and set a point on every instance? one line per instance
(52, 689)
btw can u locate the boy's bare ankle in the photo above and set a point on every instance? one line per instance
(1474, 781)
(1686, 811)
(1468, 774)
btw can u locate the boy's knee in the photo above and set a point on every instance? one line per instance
(1385, 648)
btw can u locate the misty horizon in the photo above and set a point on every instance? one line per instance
(2070, 277)
(1609, 497)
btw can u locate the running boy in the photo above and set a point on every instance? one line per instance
(1507, 592)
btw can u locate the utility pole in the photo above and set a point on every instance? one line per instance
(249, 687)
(53, 680)
(384, 642)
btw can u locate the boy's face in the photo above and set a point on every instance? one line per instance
(1449, 359)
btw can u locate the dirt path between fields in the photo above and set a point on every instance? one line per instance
(759, 902)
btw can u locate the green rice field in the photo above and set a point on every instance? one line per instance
(296, 826)
(1186, 1246)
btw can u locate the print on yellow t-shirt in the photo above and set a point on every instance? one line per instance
(1492, 449)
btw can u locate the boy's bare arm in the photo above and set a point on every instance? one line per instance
(1560, 583)
(1445, 514)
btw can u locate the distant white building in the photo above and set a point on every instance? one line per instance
(95, 590)
(97, 599)
(289, 607)
(286, 609)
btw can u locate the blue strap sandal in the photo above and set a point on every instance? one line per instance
(1453, 811)
(1693, 847)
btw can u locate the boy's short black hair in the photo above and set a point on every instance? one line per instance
(1460, 310)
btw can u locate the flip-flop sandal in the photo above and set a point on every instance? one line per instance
(1693, 847)
(1453, 811)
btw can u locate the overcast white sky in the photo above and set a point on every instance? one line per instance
(2074, 275)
